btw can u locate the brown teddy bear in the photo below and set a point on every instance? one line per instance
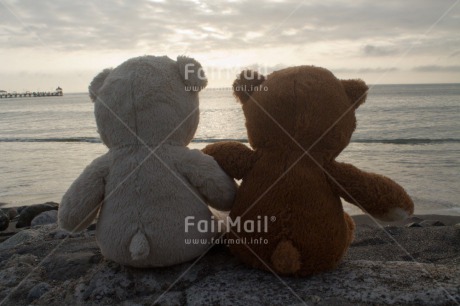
(298, 121)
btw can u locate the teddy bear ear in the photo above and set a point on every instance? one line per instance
(192, 73)
(97, 83)
(356, 91)
(245, 84)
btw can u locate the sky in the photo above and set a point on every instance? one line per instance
(45, 44)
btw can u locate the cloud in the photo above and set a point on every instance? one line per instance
(221, 25)
(371, 50)
(435, 68)
(365, 70)
(356, 37)
(454, 54)
(230, 73)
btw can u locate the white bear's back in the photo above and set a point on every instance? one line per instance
(146, 193)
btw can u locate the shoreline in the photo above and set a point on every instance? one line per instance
(359, 218)
(447, 220)
(362, 221)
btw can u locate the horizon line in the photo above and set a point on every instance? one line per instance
(370, 84)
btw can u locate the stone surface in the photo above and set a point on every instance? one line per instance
(19, 209)
(25, 237)
(37, 291)
(46, 217)
(10, 212)
(391, 266)
(393, 282)
(30, 212)
(4, 221)
(432, 223)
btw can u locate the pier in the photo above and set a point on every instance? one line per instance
(6, 95)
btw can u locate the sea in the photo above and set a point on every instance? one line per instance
(410, 133)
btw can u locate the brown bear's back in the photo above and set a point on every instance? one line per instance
(295, 201)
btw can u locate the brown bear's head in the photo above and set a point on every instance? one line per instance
(296, 108)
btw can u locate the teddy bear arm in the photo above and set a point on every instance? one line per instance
(233, 157)
(81, 203)
(203, 173)
(378, 195)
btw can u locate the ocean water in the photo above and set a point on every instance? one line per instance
(407, 132)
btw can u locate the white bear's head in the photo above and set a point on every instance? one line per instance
(148, 100)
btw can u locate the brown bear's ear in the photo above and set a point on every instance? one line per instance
(245, 84)
(97, 83)
(356, 91)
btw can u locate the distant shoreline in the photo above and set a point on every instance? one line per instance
(223, 88)
(28, 94)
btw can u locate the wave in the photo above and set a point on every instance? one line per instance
(67, 139)
(213, 140)
(413, 141)
(409, 141)
(98, 140)
(398, 141)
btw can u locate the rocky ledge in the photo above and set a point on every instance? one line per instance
(401, 265)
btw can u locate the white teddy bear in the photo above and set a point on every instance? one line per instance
(149, 182)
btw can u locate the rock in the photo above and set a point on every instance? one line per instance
(413, 224)
(4, 221)
(46, 217)
(431, 223)
(30, 212)
(68, 266)
(393, 230)
(394, 265)
(26, 236)
(18, 270)
(10, 212)
(61, 234)
(37, 291)
(21, 208)
(359, 282)
(92, 227)
(413, 219)
(172, 298)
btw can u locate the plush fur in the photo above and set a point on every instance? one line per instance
(298, 121)
(149, 181)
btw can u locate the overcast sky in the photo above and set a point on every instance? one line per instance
(44, 43)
